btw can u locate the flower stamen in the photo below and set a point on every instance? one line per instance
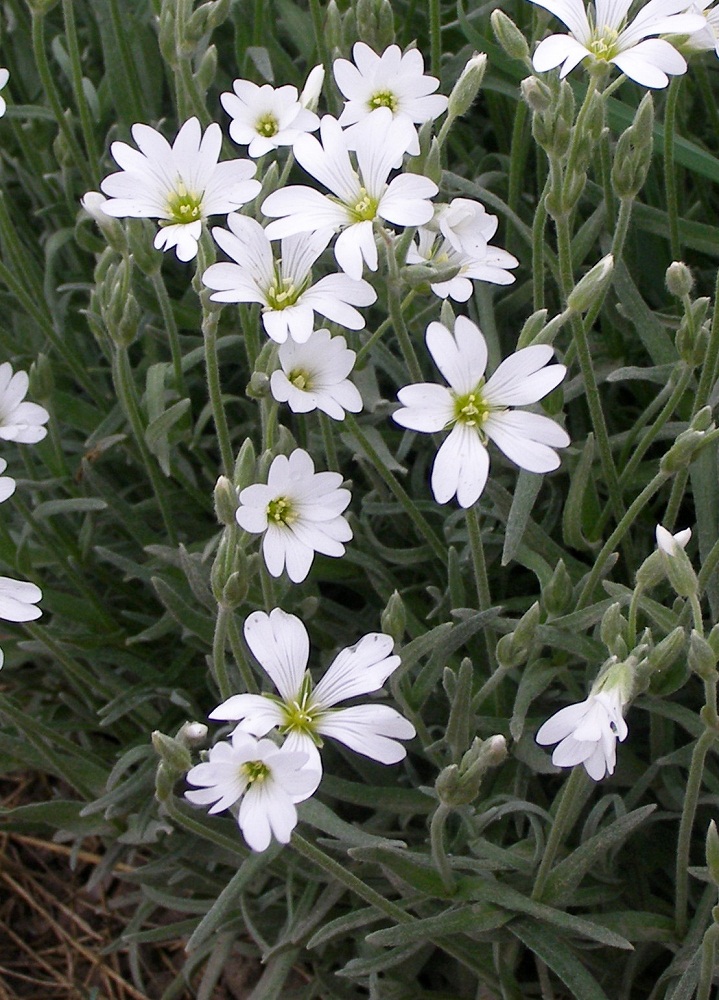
(267, 125)
(383, 99)
(184, 206)
(280, 511)
(365, 208)
(256, 771)
(471, 409)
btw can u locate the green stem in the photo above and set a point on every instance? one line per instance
(538, 228)
(584, 357)
(632, 617)
(382, 329)
(435, 36)
(238, 653)
(517, 157)
(676, 497)
(708, 966)
(125, 387)
(436, 838)
(708, 567)
(438, 547)
(318, 25)
(86, 122)
(130, 76)
(168, 318)
(48, 83)
(697, 616)
(395, 312)
(481, 581)
(328, 429)
(709, 366)
(670, 180)
(219, 642)
(691, 799)
(573, 794)
(618, 534)
(210, 320)
(651, 434)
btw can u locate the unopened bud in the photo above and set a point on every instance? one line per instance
(557, 594)
(173, 752)
(244, 472)
(702, 420)
(140, 240)
(536, 94)
(533, 326)
(613, 631)
(683, 452)
(110, 227)
(375, 23)
(235, 590)
(458, 785)
(701, 658)
(665, 653)
(513, 648)
(394, 617)
(310, 96)
(679, 570)
(509, 36)
(679, 279)
(416, 275)
(225, 497)
(207, 70)
(42, 380)
(592, 286)
(633, 154)
(467, 86)
(192, 734)
(712, 852)
(259, 386)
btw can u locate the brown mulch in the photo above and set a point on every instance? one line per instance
(55, 935)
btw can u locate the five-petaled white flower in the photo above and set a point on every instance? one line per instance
(477, 410)
(181, 184)
(587, 732)
(306, 712)
(264, 118)
(19, 420)
(359, 197)
(300, 513)
(4, 77)
(392, 80)
(268, 779)
(313, 376)
(7, 483)
(283, 287)
(458, 236)
(18, 600)
(603, 36)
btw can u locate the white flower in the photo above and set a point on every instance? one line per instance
(18, 599)
(283, 288)
(19, 421)
(4, 77)
(359, 197)
(300, 513)
(393, 81)
(459, 236)
(265, 118)
(306, 712)
(7, 483)
(604, 37)
(314, 376)
(268, 779)
(669, 543)
(707, 38)
(476, 410)
(181, 184)
(587, 733)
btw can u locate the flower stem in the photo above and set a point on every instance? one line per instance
(382, 328)
(168, 318)
(395, 312)
(240, 659)
(439, 854)
(573, 795)
(405, 500)
(328, 439)
(709, 365)
(708, 966)
(538, 228)
(481, 581)
(318, 24)
(670, 181)
(691, 799)
(435, 36)
(86, 123)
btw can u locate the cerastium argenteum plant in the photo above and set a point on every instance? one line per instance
(380, 347)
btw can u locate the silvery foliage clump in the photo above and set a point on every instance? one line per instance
(361, 528)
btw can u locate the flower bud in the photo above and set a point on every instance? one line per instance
(394, 617)
(140, 240)
(557, 594)
(446, 314)
(692, 337)
(458, 785)
(225, 497)
(712, 852)
(509, 36)
(173, 753)
(592, 286)
(513, 648)
(110, 228)
(702, 420)
(375, 23)
(532, 328)
(683, 452)
(536, 94)
(235, 589)
(664, 654)
(676, 563)
(679, 279)
(310, 96)
(701, 658)
(416, 275)
(192, 734)
(207, 70)
(244, 472)
(42, 380)
(633, 154)
(467, 86)
(613, 631)
(259, 386)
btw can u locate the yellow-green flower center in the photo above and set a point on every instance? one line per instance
(300, 379)
(282, 293)
(604, 46)
(383, 99)
(280, 511)
(471, 408)
(255, 771)
(183, 207)
(267, 125)
(301, 715)
(365, 208)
